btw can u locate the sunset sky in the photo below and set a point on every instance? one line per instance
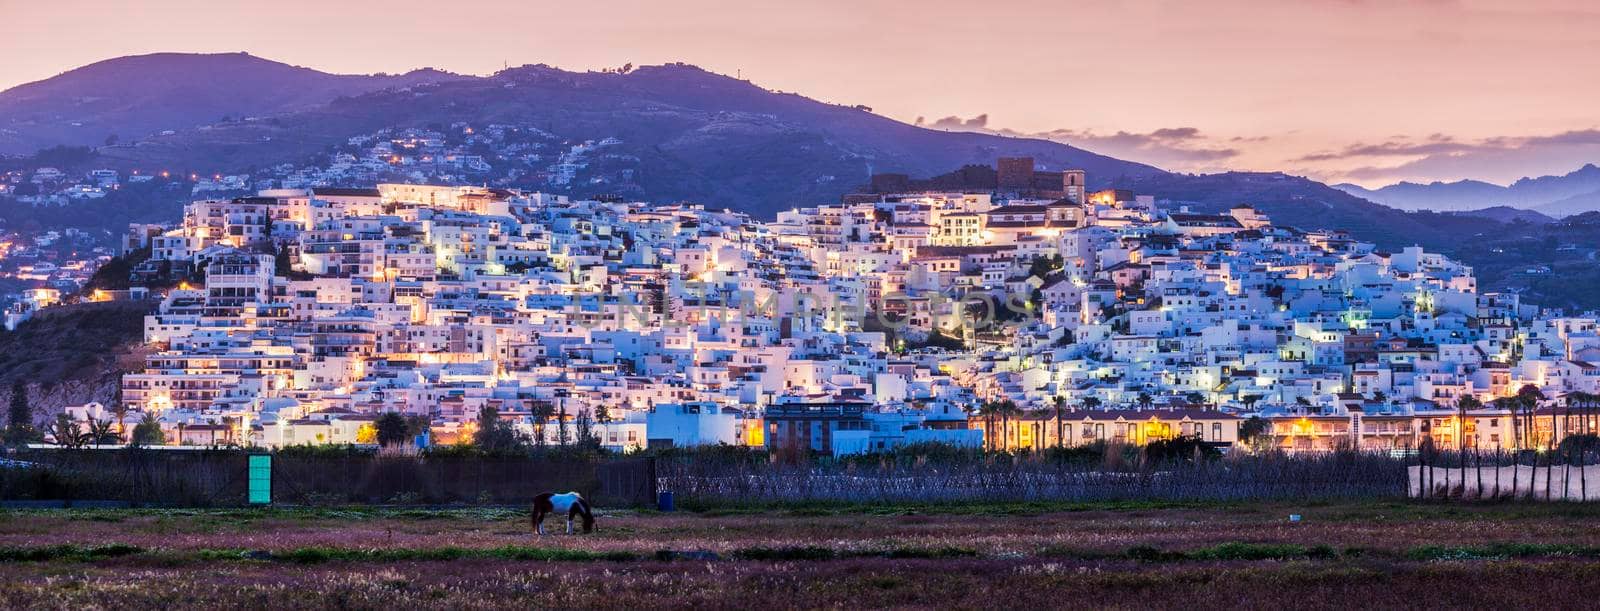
(1368, 91)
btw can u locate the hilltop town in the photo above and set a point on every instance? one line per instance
(1030, 315)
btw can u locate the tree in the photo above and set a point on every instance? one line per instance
(1006, 410)
(1060, 403)
(602, 414)
(1253, 427)
(586, 436)
(66, 432)
(148, 432)
(1527, 402)
(119, 408)
(103, 432)
(391, 429)
(542, 410)
(1464, 405)
(563, 435)
(19, 416)
(493, 435)
(1145, 400)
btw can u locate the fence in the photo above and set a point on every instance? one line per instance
(219, 478)
(1564, 474)
(1344, 475)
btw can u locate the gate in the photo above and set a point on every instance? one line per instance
(630, 482)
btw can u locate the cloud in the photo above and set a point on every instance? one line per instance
(978, 123)
(1174, 148)
(1185, 148)
(1392, 148)
(1495, 159)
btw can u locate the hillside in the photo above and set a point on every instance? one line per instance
(73, 354)
(1507, 214)
(1304, 203)
(1577, 204)
(133, 97)
(697, 135)
(1572, 193)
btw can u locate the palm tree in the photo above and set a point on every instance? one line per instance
(542, 410)
(1060, 403)
(101, 432)
(66, 432)
(1574, 400)
(1145, 400)
(119, 408)
(1527, 401)
(1586, 409)
(986, 410)
(1007, 410)
(1508, 404)
(1463, 405)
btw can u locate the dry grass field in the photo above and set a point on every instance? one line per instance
(1102, 556)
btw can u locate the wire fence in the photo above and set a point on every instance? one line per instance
(1569, 473)
(219, 478)
(735, 480)
(722, 478)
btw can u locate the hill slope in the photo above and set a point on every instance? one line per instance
(1304, 203)
(698, 135)
(132, 97)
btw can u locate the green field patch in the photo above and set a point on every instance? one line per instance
(1235, 550)
(814, 553)
(67, 553)
(1499, 551)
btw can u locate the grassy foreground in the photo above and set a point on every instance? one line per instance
(1127, 556)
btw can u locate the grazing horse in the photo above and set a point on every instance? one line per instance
(570, 503)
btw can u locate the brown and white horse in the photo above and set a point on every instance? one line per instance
(570, 503)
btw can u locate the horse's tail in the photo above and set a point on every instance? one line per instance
(541, 508)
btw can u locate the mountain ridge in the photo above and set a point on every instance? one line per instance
(698, 135)
(134, 96)
(1553, 195)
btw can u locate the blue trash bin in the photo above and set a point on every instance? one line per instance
(664, 501)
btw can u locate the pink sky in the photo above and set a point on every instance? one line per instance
(1370, 91)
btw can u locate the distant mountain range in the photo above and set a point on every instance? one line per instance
(700, 136)
(1555, 196)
